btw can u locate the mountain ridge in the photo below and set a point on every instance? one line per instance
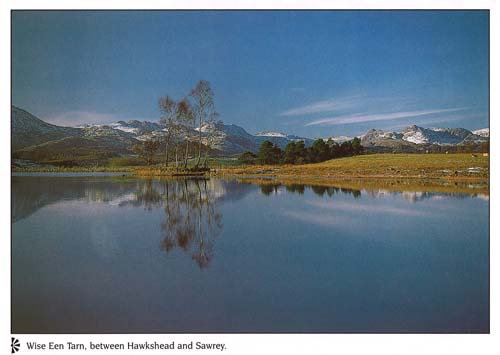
(28, 130)
(31, 135)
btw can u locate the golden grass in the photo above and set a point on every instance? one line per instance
(412, 172)
(415, 166)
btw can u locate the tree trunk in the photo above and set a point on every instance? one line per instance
(186, 156)
(176, 157)
(206, 159)
(166, 153)
(199, 146)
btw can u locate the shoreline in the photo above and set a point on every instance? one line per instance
(468, 186)
(380, 169)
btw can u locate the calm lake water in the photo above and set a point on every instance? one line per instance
(106, 254)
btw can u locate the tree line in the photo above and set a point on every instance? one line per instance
(297, 153)
(189, 128)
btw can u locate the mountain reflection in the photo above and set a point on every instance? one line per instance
(30, 193)
(191, 215)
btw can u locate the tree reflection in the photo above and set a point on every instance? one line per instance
(148, 196)
(295, 188)
(192, 221)
(269, 189)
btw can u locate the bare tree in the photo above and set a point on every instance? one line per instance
(168, 120)
(212, 136)
(204, 110)
(185, 116)
(146, 149)
(177, 142)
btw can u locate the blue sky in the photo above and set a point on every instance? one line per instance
(311, 73)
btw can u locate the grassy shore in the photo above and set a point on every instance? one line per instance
(74, 169)
(374, 166)
(412, 166)
(449, 173)
(402, 172)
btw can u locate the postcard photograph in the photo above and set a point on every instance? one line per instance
(238, 171)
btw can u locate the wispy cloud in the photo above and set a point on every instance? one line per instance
(360, 118)
(75, 118)
(322, 106)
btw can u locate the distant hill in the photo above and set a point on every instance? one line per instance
(230, 139)
(28, 130)
(36, 140)
(86, 150)
(132, 127)
(235, 139)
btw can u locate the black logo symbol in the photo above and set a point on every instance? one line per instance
(15, 345)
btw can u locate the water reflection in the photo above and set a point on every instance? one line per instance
(29, 194)
(295, 188)
(367, 258)
(319, 190)
(269, 189)
(147, 195)
(192, 220)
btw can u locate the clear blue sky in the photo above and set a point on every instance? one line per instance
(311, 73)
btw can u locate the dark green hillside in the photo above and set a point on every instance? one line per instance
(72, 151)
(28, 130)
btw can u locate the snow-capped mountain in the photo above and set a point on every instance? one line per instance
(31, 136)
(442, 136)
(134, 127)
(28, 132)
(421, 136)
(484, 132)
(233, 139)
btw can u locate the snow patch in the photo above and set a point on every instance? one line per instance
(271, 134)
(338, 139)
(484, 132)
(415, 137)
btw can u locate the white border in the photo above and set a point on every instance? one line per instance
(263, 344)
(251, 4)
